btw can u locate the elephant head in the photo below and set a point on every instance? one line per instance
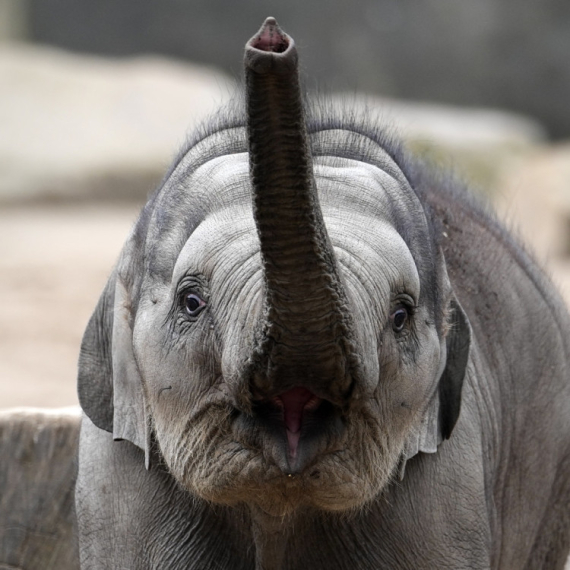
(280, 322)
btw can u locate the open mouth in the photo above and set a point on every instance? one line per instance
(301, 424)
(295, 403)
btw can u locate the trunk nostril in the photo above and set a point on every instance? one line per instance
(270, 38)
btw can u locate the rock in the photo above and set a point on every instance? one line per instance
(37, 478)
(82, 127)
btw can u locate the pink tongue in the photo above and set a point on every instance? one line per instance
(293, 403)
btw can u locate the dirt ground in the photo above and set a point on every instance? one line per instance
(54, 263)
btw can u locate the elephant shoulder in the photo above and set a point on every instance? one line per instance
(487, 263)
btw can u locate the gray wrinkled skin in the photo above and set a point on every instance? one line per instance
(192, 420)
(206, 477)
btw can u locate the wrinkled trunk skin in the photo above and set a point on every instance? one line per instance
(305, 334)
(304, 337)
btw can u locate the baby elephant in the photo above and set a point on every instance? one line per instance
(314, 354)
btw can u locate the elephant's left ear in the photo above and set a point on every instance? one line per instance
(443, 410)
(109, 383)
(458, 341)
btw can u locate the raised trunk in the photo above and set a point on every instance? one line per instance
(305, 335)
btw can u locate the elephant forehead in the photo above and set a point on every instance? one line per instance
(342, 183)
(374, 254)
(225, 248)
(186, 202)
(358, 202)
(363, 205)
(225, 242)
(222, 182)
(356, 187)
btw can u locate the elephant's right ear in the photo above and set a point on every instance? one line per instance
(109, 383)
(95, 375)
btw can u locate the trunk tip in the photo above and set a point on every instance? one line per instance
(270, 37)
(271, 50)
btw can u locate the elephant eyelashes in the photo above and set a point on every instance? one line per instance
(399, 319)
(193, 304)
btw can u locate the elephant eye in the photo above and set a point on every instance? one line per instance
(399, 319)
(193, 304)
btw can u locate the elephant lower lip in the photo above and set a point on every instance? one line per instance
(294, 403)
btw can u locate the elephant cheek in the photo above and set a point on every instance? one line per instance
(421, 375)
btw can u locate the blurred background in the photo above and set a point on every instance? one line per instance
(96, 96)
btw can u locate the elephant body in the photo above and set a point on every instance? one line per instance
(316, 353)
